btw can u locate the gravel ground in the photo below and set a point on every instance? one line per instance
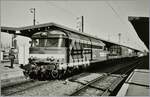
(54, 88)
(65, 87)
(105, 83)
(91, 92)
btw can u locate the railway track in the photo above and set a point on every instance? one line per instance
(31, 84)
(20, 87)
(91, 88)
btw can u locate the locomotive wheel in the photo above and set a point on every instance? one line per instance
(69, 70)
(26, 74)
(61, 74)
(32, 75)
(55, 74)
(48, 74)
(42, 76)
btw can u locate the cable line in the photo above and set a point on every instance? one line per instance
(63, 9)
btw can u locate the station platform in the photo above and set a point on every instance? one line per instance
(137, 84)
(10, 75)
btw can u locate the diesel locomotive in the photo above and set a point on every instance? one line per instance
(56, 51)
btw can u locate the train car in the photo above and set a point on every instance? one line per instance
(56, 51)
(118, 51)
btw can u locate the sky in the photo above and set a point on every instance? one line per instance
(103, 19)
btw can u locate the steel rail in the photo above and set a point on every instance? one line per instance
(125, 73)
(89, 83)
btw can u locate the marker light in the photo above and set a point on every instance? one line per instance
(44, 34)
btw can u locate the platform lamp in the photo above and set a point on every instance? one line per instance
(119, 35)
(0, 48)
(119, 40)
(32, 10)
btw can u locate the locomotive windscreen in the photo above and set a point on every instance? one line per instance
(52, 38)
(50, 42)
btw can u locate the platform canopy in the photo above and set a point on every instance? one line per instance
(28, 31)
(10, 30)
(141, 26)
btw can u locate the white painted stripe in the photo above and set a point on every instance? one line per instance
(78, 63)
(48, 55)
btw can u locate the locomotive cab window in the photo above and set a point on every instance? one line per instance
(48, 42)
(52, 38)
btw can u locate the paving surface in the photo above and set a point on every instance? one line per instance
(6, 71)
(10, 75)
(137, 84)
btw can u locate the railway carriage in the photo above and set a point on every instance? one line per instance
(58, 51)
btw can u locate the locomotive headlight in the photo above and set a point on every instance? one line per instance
(48, 58)
(34, 58)
(42, 67)
(32, 66)
(31, 58)
(52, 59)
(58, 60)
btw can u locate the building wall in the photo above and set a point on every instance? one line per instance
(23, 49)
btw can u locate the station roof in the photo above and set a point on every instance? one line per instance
(28, 31)
(11, 30)
(141, 25)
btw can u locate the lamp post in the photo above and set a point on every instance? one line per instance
(119, 35)
(32, 10)
(0, 47)
(80, 23)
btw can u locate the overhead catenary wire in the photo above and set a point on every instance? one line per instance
(118, 17)
(62, 8)
(65, 10)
